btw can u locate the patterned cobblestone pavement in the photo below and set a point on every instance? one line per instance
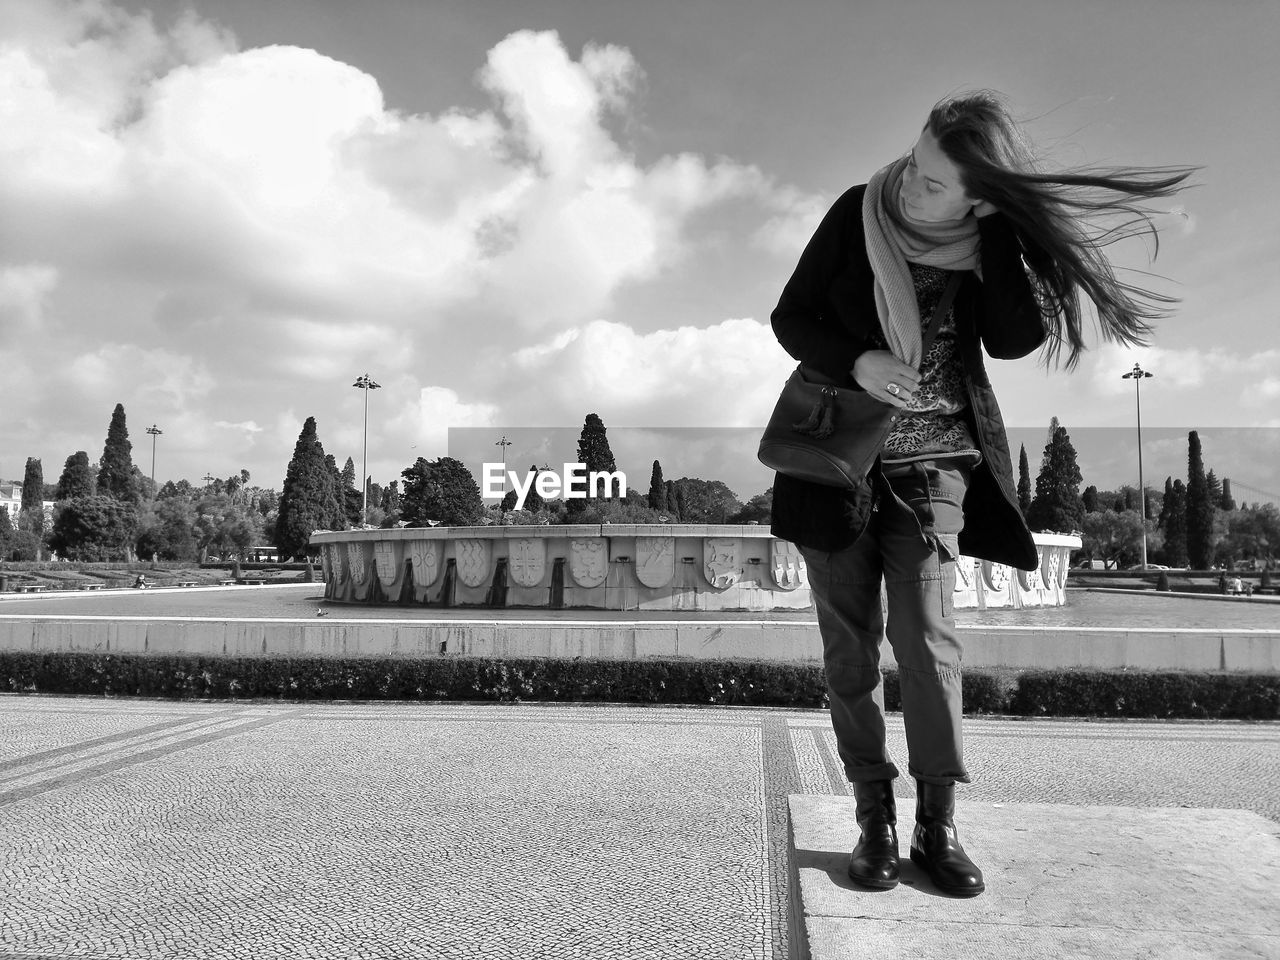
(139, 829)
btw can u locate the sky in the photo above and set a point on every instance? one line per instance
(513, 213)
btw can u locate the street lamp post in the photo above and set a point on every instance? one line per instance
(504, 443)
(1137, 374)
(155, 432)
(365, 384)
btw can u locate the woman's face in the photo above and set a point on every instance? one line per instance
(931, 190)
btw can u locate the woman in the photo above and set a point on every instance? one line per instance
(966, 199)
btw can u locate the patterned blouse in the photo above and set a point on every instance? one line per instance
(933, 424)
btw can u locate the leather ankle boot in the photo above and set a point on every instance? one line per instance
(874, 861)
(935, 846)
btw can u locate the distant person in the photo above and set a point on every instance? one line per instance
(968, 198)
(140, 583)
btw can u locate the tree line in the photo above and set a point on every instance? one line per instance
(1194, 523)
(111, 511)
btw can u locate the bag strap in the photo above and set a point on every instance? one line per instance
(939, 312)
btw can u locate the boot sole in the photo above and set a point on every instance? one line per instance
(961, 892)
(872, 884)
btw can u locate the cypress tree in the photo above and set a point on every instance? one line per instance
(1228, 502)
(1199, 508)
(1130, 497)
(1215, 488)
(1024, 481)
(593, 446)
(77, 478)
(678, 501)
(533, 501)
(673, 500)
(116, 478)
(594, 453)
(657, 489)
(335, 509)
(349, 498)
(306, 500)
(391, 499)
(33, 485)
(1174, 521)
(1090, 499)
(31, 515)
(1165, 504)
(1057, 504)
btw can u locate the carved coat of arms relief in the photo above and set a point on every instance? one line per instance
(655, 560)
(720, 562)
(527, 557)
(384, 562)
(425, 556)
(473, 561)
(787, 564)
(355, 562)
(589, 561)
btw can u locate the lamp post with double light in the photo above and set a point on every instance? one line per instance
(1137, 375)
(155, 432)
(366, 384)
(504, 443)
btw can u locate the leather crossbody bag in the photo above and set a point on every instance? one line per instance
(829, 434)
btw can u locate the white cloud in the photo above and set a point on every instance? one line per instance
(149, 377)
(227, 233)
(1219, 367)
(786, 233)
(1265, 389)
(728, 374)
(24, 291)
(426, 425)
(247, 429)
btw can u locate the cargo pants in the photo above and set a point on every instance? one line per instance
(909, 544)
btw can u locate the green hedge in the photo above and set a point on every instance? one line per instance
(718, 682)
(1204, 696)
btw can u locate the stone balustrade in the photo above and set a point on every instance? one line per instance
(625, 567)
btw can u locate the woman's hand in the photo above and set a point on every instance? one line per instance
(885, 377)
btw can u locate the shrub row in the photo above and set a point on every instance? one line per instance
(720, 682)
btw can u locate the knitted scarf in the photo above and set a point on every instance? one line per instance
(892, 242)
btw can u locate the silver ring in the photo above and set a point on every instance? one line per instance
(893, 388)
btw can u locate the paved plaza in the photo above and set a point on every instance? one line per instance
(144, 829)
(1085, 608)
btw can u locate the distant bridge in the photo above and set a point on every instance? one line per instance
(1238, 491)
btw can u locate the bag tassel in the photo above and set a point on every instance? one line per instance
(821, 421)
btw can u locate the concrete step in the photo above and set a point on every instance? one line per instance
(61, 630)
(1062, 882)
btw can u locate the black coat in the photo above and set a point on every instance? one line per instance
(824, 318)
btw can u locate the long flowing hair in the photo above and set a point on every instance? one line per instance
(1063, 220)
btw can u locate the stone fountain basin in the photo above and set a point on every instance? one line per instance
(625, 567)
